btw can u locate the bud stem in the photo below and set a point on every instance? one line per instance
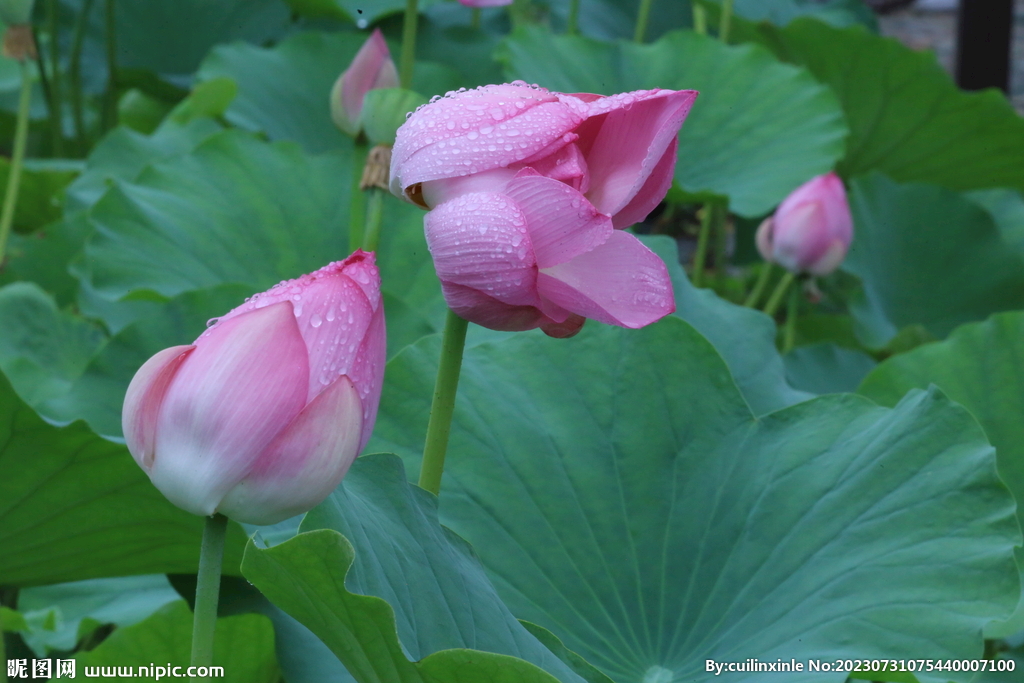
(643, 15)
(408, 59)
(374, 217)
(700, 20)
(443, 405)
(780, 291)
(17, 159)
(762, 282)
(56, 98)
(725, 21)
(204, 623)
(571, 26)
(792, 310)
(357, 200)
(710, 217)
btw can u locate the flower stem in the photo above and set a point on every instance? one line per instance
(700, 20)
(706, 219)
(357, 200)
(17, 160)
(443, 405)
(572, 24)
(75, 75)
(725, 22)
(792, 310)
(642, 17)
(408, 59)
(110, 96)
(762, 282)
(780, 291)
(57, 104)
(374, 216)
(208, 591)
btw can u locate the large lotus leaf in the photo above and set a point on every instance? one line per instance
(40, 190)
(243, 645)
(360, 12)
(622, 495)
(758, 129)
(839, 13)
(927, 256)
(284, 91)
(74, 506)
(906, 116)
(826, 368)
(980, 367)
(375, 564)
(744, 337)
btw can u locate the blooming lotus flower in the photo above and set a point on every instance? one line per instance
(262, 416)
(527, 188)
(811, 230)
(371, 69)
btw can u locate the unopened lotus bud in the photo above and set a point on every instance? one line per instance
(371, 69)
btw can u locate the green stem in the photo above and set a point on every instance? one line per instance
(408, 59)
(57, 103)
(700, 20)
(778, 294)
(443, 405)
(357, 201)
(75, 75)
(208, 591)
(475, 21)
(374, 217)
(762, 282)
(792, 310)
(725, 21)
(572, 25)
(17, 160)
(641, 20)
(706, 219)
(110, 96)
(721, 235)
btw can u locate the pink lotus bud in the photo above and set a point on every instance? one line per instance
(811, 230)
(371, 69)
(485, 3)
(527, 187)
(262, 416)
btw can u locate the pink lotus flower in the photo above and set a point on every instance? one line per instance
(371, 69)
(527, 187)
(811, 230)
(262, 416)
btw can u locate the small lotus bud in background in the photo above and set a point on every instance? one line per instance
(811, 230)
(485, 3)
(262, 416)
(19, 43)
(371, 69)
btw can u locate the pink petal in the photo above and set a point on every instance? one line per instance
(621, 282)
(143, 399)
(828, 190)
(243, 384)
(562, 224)
(570, 327)
(480, 241)
(488, 312)
(367, 373)
(371, 68)
(652, 192)
(566, 164)
(625, 139)
(478, 130)
(304, 463)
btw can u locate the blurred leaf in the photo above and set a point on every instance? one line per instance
(208, 99)
(121, 601)
(362, 11)
(384, 111)
(74, 506)
(926, 256)
(40, 192)
(622, 495)
(757, 131)
(826, 368)
(980, 367)
(11, 620)
(43, 257)
(141, 112)
(243, 646)
(400, 571)
(838, 13)
(907, 118)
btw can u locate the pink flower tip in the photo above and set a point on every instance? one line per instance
(371, 69)
(811, 230)
(263, 414)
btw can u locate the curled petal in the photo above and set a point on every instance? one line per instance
(480, 241)
(621, 282)
(488, 312)
(652, 192)
(245, 381)
(304, 463)
(143, 399)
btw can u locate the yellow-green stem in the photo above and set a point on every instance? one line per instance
(792, 310)
(701, 255)
(642, 17)
(17, 160)
(374, 216)
(725, 21)
(408, 59)
(357, 200)
(780, 291)
(762, 282)
(700, 20)
(443, 405)
(572, 23)
(204, 622)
